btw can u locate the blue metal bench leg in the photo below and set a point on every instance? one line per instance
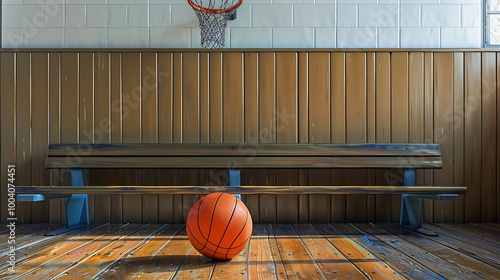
(234, 179)
(77, 208)
(412, 207)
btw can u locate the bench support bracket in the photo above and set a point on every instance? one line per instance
(77, 208)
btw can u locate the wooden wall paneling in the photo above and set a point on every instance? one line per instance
(416, 103)
(303, 127)
(428, 124)
(488, 137)
(40, 130)
(287, 206)
(267, 129)
(86, 113)
(116, 214)
(165, 131)
(69, 107)
(177, 72)
(356, 128)
(473, 142)
(102, 130)
(443, 105)
(149, 130)
(251, 176)
(131, 125)
(7, 121)
(319, 129)
(383, 129)
(458, 133)
(498, 138)
(55, 205)
(204, 72)
(23, 130)
(190, 119)
(370, 131)
(338, 129)
(399, 117)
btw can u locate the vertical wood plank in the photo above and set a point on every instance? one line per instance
(251, 176)
(498, 139)
(383, 130)
(102, 130)
(131, 129)
(473, 134)
(190, 119)
(303, 126)
(286, 130)
(86, 113)
(489, 137)
(443, 104)
(165, 131)
(55, 84)
(338, 130)
(319, 129)
(399, 117)
(370, 130)
(40, 130)
(416, 103)
(7, 121)
(116, 214)
(356, 128)
(23, 129)
(428, 124)
(179, 207)
(458, 133)
(149, 130)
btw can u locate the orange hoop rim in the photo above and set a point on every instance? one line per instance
(213, 10)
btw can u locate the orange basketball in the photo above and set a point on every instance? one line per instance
(219, 226)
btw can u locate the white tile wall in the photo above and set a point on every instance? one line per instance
(259, 24)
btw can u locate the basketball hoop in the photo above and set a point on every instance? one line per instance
(213, 16)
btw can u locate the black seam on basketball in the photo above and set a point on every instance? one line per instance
(211, 221)
(227, 225)
(198, 218)
(241, 230)
(194, 237)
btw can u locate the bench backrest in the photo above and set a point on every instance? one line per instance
(244, 156)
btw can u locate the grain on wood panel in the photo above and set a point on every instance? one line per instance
(399, 117)
(102, 130)
(303, 127)
(443, 128)
(251, 107)
(236, 268)
(204, 70)
(401, 263)
(165, 131)
(338, 129)
(370, 130)
(428, 124)
(23, 105)
(476, 231)
(287, 206)
(498, 139)
(458, 133)
(144, 258)
(473, 140)
(55, 78)
(267, 129)
(356, 109)
(383, 130)
(260, 264)
(329, 259)
(319, 129)
(7, 104)
(416, 103)
(190, 119)
(364, 261)
(40, 130)
(86, 114)
(116, 122)
(177, 126)
(489, 139)
(419, 255)
(98, 261)
(296, 259)
(149, 129)
(131, 129)
(470, 267)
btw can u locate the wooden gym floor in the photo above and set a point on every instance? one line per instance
(276, 251)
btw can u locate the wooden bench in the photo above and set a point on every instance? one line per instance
(407, 157)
